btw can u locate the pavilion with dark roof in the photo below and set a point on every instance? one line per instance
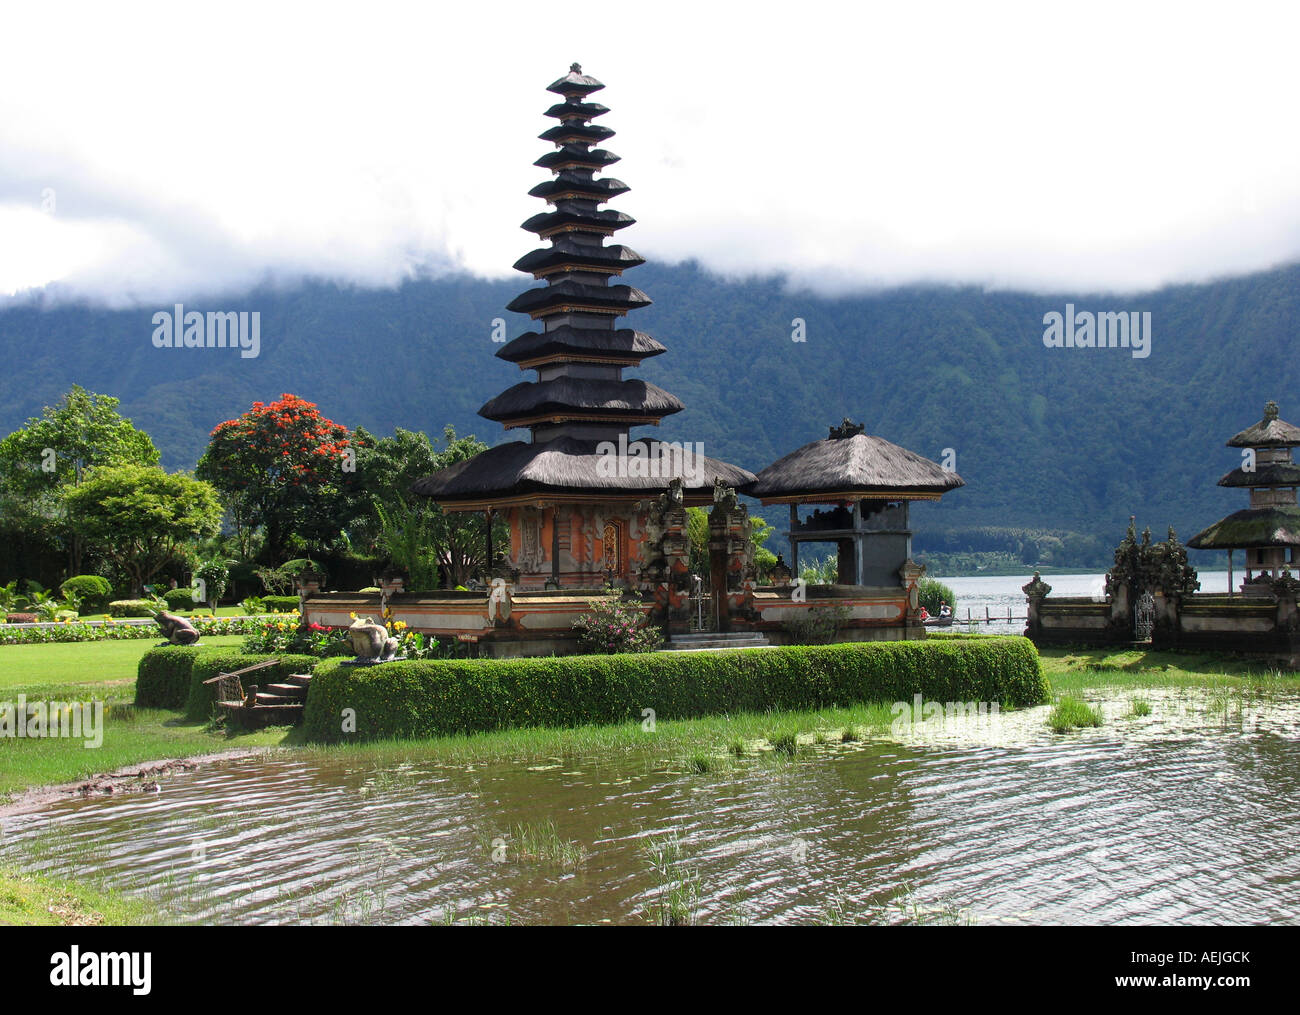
(575, 521)
(1269, 529)
(869, 482)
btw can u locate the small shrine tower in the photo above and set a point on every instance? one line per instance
(1268, 530)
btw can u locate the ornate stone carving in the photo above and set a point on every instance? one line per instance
(1037, 588)
(847, 428)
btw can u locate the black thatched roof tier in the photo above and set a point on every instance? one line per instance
(579, 188)
(587, 343)
(575, 83)
(585, 110)
(1271, 474)
(849, 468)
(569, 296)
(581, 398)
(567, 213)
(572, 155)
(1270, 432)
(571, 469)
(576, 133)
(566, 252)
(1254, 527)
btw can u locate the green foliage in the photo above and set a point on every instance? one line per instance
(280, 604)
(50, 454)
(132, 608)
(140, 517)
(163, 676)
(932, 594)
(214, 661)
(406, 533)
(91, 590)
(613, 625)
(180, 599)
(1072, 713)
(821, 572)
(817, 625)
(76, 631)
(440, 697)
(214, 573)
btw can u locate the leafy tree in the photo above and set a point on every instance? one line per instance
(401, 521)
(51, 454)
(284, 467)
(141, 517)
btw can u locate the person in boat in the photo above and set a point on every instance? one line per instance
(925, 614)
(945, 610)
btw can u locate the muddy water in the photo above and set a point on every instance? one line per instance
(1189, 814)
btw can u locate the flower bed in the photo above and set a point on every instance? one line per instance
(73, 630)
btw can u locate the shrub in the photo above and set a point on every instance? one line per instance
(180, 599)
(211, 662)
(132, 608)
(281, 604)
(440, 697)
(253, 605)
(933, 593)
(613, 626)
(163, 676)
(90, 590)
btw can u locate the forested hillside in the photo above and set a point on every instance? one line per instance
(1072, 440)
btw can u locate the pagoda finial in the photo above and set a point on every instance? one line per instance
(575, 67)
(1270, 411)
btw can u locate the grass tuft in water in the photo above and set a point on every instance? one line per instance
(541, 843)
(1140, 707)
(676, 898)
(1072, 713)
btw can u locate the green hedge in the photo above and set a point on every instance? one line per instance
(210, 662)
(131, 608)
(163, 677)
(422, 698)
(172, 676)
(281, 604)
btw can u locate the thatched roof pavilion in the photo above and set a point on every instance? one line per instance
(579, 406)
(1269, 530)
(851, 465)
(871, 481)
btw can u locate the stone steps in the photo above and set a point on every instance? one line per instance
(277, 704)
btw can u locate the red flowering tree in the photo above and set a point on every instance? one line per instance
(284, 468)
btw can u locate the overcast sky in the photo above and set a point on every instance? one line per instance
(150, 153)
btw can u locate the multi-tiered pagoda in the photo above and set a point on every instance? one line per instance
(1268, 530)
(572, 505)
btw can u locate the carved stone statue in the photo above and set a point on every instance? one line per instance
(371, 642)
(177, 630)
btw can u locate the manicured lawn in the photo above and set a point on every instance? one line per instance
(1072, 670)
(86, 664)
(222, 611)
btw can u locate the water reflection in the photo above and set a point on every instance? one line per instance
(1189, 814)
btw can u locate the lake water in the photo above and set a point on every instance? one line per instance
(1189, 814)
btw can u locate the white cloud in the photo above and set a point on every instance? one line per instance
(1093, 146)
